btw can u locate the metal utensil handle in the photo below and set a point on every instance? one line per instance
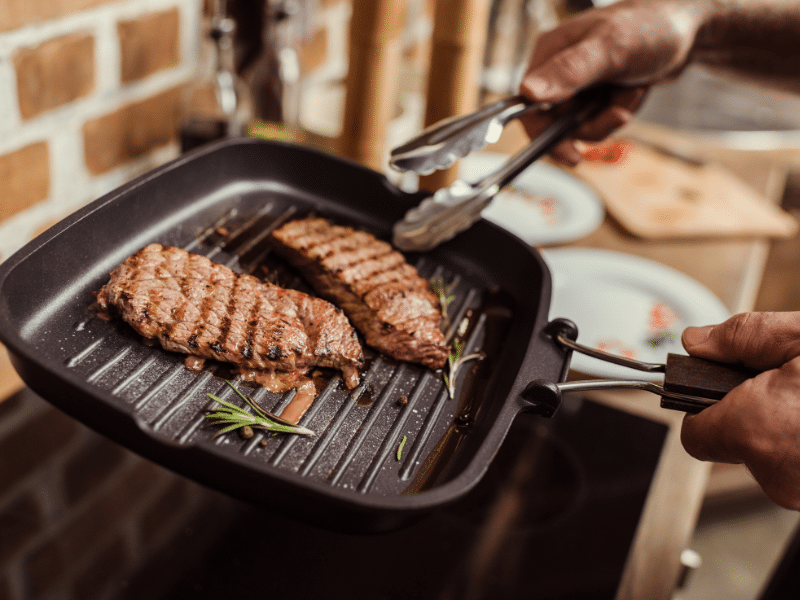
(544, 397)
(456, 135)
(672, 400)
(612, 358)
(585, 105)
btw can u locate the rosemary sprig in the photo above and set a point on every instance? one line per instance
(454, 361)
(445, 298)
(234, 417)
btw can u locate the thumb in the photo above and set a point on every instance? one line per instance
(762, 340)
(564, 74)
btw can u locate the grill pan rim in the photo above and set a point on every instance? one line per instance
(24, 355)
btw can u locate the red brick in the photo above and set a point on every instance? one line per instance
(108, 564)
(149, 44)
(30, 445)
(54, 73)
(16, 13)
(24, 178)
(91, 466)
(19, 522)
(132, 131)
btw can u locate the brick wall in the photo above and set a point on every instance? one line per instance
(88, 97)
(89, 91)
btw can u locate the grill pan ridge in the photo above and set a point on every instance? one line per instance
(223, 202)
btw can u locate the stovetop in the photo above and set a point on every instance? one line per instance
(554, 517)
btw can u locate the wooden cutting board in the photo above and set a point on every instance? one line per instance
(658, 195)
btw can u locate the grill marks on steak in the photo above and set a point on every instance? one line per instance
(383, 295)
(195, 306)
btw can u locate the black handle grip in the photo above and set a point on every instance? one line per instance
(705, 378)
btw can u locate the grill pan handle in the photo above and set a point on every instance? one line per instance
(690, 384)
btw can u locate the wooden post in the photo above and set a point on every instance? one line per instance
(375, 54)
(458, 45)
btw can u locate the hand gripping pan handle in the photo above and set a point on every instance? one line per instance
(690, 384)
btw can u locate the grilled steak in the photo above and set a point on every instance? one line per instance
(383, 295)
(192, 305)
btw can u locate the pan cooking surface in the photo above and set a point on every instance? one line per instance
(223, 203)
(358, 431)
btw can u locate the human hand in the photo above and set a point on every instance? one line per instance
(758, 422)
(632, 43)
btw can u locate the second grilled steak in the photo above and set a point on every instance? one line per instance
(383, 295)
(195, 306)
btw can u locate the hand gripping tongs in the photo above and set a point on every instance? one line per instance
(452, 210)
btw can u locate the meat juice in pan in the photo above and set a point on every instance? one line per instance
(492, 316)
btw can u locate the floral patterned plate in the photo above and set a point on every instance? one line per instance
(626, 305)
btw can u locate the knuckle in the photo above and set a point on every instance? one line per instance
(791, 369)
(738, 332)
(572, 65)
(617, 53)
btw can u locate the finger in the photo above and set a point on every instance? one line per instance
(535, 83)
(604, 124)
(705, 435)
(761, 340)
(774, 456)
(618, 114)
(724, 431)
(568, 153)
(566, 72)
(632, 97)
(755, 424)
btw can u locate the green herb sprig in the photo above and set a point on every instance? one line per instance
(400, 447)
(442, 292)
(233, 417)
(454, 361)
(659, 339)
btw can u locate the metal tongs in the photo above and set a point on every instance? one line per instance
(690, 384)
(452, 210)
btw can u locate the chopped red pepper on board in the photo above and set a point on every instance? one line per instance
(611, 151)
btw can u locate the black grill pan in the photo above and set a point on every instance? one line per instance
(223, 201)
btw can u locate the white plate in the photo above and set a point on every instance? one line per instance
(543, 205)
(626, 305)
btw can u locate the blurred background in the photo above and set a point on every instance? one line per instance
(96, 92)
